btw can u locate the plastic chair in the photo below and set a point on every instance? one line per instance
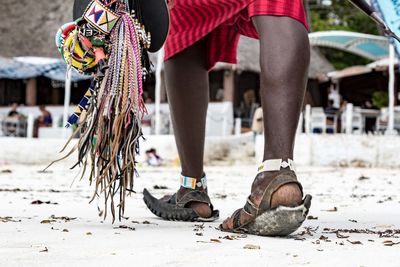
(318, 120)
(356, 121)
(332, 128)
(382, 121)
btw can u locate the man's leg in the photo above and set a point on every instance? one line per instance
(284, 59)
(188, 96)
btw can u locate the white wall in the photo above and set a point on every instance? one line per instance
(319, 150)
(43, 151)
(343, 150)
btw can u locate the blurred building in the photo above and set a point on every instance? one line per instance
(29, 30)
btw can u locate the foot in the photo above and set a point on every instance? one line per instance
(288, 195)
(202, 209)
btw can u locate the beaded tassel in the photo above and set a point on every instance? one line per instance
(119, 110)
(110, 115)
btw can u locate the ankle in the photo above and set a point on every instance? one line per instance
(197, 175)
(278, 155)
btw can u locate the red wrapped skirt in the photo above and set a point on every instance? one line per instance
(222, 22)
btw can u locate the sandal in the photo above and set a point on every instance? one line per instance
(174, 209)
(267, 221)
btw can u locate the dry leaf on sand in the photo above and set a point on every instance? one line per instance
(251, 246)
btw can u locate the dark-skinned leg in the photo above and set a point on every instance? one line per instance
(188, 97)
(284, 59)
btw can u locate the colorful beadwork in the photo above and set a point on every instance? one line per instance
(111, 46)
(100, 17)
(191, 183)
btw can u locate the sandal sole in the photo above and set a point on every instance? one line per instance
(281, 221)
(172, 212)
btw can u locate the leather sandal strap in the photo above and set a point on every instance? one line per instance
(194, 196)
(250, 208)
(236, 219)
(283, 178)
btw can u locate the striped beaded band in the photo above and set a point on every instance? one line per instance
(192, 183)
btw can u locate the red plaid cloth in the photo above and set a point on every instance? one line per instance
(222, 21)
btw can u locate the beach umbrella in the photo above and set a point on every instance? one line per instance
(366, 45)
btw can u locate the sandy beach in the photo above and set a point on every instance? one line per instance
(44, 221)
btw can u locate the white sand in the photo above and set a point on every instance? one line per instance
(164, 243)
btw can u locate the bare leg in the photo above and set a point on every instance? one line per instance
(285, 55)
(188, 96)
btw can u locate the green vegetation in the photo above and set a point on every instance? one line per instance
(340, 15)
(380, 99)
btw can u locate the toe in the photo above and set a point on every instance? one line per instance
(244, 218)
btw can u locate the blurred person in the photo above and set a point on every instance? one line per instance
(331, 109)
(370, 122)
(331, 113)
(343, 105)
(152, 158)
(44, 120)
(14, 124)
(257, 125)
(334, 95)
(249, 100)
(342, 109)
(220, 95)
(203, 33)
(13, 113)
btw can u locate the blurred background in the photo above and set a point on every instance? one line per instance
(351, 111)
